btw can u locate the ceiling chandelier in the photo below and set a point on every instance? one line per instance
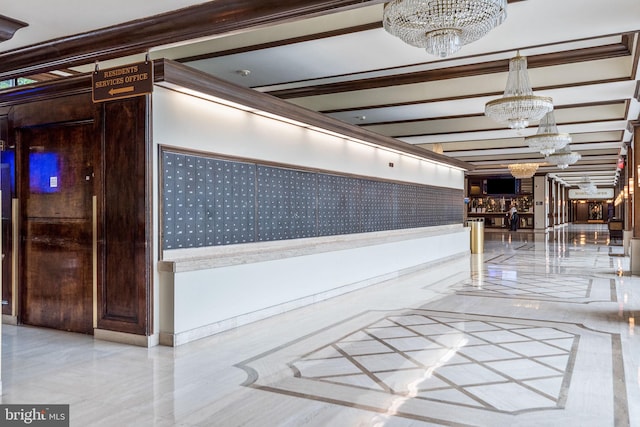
(584, 182)
(523, 170)
(548, 139)
(442, 27)
(564, 157)
(519, 105)
(587, 186)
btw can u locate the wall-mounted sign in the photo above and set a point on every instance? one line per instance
(123, 82)
(600, 193)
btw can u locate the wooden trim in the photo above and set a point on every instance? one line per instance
(138, 36)
(181, 76)
(466, 116)
(633, 160)
(511, 141)
(293, 40)
(636, 59)
(149, 214)
(126, 296)
(41, 91)
(469, 70)
(476, 95)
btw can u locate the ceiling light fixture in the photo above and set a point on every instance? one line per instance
(564, 157)
(548, 139)
(519, 105)
(442, 27)
(523, 170)
(586, 185)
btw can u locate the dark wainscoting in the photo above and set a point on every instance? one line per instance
(125, 300)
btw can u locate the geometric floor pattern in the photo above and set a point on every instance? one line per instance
(533, 336)
(465, 362)
(501, 282)
(438, 367)
(540, 330)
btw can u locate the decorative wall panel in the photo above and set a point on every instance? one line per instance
(287, 203)
(207, 202)
(212, 202)
(339, 205)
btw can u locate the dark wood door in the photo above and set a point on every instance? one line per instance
(56, 189)
(6, 257)
(582, 212)
(7, 189)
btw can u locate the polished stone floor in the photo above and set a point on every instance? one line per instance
(539, 330)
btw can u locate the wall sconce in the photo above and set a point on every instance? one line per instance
(626, 192)
(631, 186)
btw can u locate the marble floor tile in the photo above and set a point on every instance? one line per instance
(539, 330)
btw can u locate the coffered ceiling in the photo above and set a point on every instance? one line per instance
(334, 57)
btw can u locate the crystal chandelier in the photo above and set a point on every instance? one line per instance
(548, 140)
(442, 27)
(519, 105)
(523, 170)
(584, 182)
(587, 186)
(564, 157)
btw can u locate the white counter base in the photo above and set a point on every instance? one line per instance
(209, 290)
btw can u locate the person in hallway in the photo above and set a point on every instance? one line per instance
(513, 217)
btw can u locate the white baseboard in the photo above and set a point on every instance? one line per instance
(125, 338)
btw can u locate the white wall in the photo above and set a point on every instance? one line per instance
(210, 300)
(195, 303)
(193, 123)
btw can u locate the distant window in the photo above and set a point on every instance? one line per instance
(25, 81)
(15, 82)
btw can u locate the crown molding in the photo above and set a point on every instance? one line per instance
(138, 36)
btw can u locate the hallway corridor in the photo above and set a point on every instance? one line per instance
(537, 331)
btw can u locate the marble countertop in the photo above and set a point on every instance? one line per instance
(190, 259)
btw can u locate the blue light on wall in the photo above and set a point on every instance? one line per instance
(8, 160)
(44, 173)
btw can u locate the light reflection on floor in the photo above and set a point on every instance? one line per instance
(532, 345)
(537, 330)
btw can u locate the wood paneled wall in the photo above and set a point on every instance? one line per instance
(122, 187)
(125, 300)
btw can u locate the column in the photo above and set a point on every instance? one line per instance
(633, 159)
(560, 196)
(540, 205)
